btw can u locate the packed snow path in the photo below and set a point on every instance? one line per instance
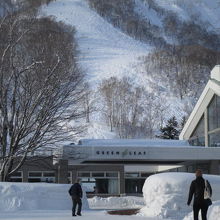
(66, 215)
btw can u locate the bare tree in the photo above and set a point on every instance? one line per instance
(132, 111)
(41, 87)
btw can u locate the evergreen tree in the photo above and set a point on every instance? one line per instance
(170, 131)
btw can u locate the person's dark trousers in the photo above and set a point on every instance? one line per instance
(76, 201)
(196, 209)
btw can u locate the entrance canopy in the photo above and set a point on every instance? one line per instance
(136, 152)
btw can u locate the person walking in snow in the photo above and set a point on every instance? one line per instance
(198, 189)
(76, 193)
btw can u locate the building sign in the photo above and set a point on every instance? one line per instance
(121, 153)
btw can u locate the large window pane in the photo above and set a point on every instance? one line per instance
(134, 175)
(111, 174)
(214, 113)
(218, 110)
(198, 136)
(214, 139)
(200, 129)
(198, 141)
(98, 174)
(35, 174)
(83, 174)
(49, 174)
(134, 185)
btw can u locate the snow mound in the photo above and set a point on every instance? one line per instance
(166, 194)
(36, 196)
(127, 202)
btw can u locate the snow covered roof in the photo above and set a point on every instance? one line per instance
(212, 88)
(133, 143)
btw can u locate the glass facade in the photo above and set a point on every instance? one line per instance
(134, 182)
(214, 122)
(198, 136)
(214, 139)
(100, 182)
(214, 113)
(210, 136)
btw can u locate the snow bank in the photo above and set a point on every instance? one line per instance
(127, 202)
(166, 194)
(36, 196)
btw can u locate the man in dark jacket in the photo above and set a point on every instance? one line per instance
(197, 190)
(76, 193)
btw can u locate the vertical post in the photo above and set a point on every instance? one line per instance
(63, 171)
(25, 175)
(122, 182)
(206, 128)
(74, 176)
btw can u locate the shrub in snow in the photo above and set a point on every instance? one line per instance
(166, 194)
(36, 196)
(116, 202)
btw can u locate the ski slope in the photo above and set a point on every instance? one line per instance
(104, 50)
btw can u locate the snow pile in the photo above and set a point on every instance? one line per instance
(166, 194)
(127, 202)
(214, 211)
(36, 196)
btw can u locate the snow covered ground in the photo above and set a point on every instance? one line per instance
(66, 215)
(165, 197)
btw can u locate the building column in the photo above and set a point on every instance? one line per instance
(25, 175)
(214, 167)
(62, 171)
(122, 182)
(74, 176)
(206, 128)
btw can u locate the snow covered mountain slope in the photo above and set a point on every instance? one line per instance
(104, 50)
(201, 11)
(107, 50)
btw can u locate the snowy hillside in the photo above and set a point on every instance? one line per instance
(106, 50)
(202, 11)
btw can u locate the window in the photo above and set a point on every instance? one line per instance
(83, 174)
(34, 174)
(98, 174)
(49, 174)
(100, 182)
(214, 113)
(214, 139)
(198, 136)
(111, 174)
(41, 176)
(16, 177)
(131, 175)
